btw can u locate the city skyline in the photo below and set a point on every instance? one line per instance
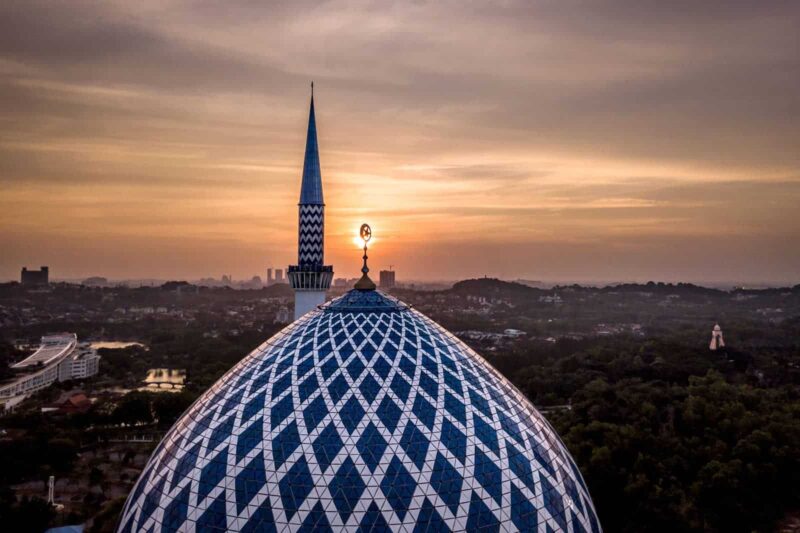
(168, 142)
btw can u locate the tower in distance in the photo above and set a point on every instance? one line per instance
(716, 338)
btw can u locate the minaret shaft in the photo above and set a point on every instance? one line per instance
(311, 236)
(310, 278)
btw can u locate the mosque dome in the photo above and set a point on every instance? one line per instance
(363, 415)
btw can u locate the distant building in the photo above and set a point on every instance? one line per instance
(95, 281)
(59, 358)
(254, 283)
(282, 316)
(554, 299)
(74, 403)
(387, 279)
(340, 283)
(277, 275)
(716, 338)
(35, 277)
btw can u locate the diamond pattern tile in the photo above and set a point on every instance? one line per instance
(364, 415)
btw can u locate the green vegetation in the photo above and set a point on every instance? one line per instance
(709, 455)
(204, 358)
(28, 515)
(8, 355)
(57, 445)
(669, 435)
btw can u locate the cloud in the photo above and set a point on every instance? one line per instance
(626, 125)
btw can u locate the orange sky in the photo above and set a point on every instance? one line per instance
(543, 140)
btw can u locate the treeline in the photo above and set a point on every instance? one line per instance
(49, 444)
(8, 355)
(669, 435)
(204, 358)
(707, 456)
(46, 444)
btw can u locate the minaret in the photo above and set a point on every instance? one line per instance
(310, 278)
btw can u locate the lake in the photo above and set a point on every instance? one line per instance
(115, 345)
(164, 380)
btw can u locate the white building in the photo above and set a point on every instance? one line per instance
(716, 338)
(59, 358)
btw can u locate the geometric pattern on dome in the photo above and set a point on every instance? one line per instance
(365, 302)
(365, 415)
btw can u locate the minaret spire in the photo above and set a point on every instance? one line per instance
(311, 188)
(310, 278)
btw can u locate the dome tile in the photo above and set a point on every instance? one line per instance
(363, 414)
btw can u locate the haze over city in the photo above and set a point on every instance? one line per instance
(559, 141)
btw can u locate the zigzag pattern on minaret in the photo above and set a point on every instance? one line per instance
(311, 241)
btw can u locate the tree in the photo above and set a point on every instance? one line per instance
(134, 408)
(169, 406)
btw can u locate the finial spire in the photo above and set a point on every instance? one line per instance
(312, 89)
(365, 284)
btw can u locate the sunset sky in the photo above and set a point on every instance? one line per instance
(555, 140)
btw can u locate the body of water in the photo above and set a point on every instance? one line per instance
(115, 345)
(164, 380)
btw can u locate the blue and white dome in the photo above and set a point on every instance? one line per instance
(364, 415)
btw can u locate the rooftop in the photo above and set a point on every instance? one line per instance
(53, 348)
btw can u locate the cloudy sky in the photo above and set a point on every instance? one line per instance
(555, 140)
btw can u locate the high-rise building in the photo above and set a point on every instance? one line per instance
(35, 277)
(270, 279)
(310, 277)
(278, 275)
(387, 279)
